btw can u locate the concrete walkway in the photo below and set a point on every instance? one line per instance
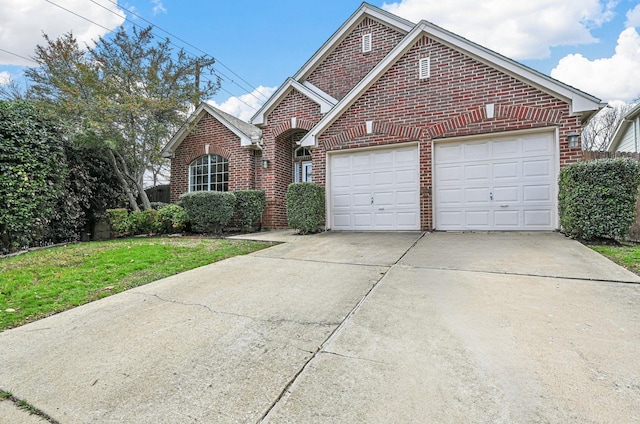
(349, 328)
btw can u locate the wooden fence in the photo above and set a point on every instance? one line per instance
(634, 232)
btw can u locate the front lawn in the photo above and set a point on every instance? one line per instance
(41, 283)
(626, 255)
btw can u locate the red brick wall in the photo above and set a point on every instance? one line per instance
(449, 103)
(222, 142)
(347, 64)
(278, 148)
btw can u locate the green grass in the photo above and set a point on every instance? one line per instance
(41, 283)
(627, 255)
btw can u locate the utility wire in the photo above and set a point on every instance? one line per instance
(190, 45)
(17, 55)
(128, 20)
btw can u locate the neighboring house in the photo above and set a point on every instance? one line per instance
(627, 135)
(408, 127)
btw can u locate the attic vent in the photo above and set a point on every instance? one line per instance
(425, 67)
(366, 43)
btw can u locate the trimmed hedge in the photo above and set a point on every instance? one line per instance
(208, 211)
(305, 207)
(597, 198)
(172, 218)
(119, 220)
(250, 205)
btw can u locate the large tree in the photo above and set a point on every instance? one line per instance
(127, 96)
(598, 133)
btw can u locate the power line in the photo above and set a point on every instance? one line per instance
(254, 89)
(17, 55)
(109, 30)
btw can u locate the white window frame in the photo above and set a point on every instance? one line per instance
(194, 185)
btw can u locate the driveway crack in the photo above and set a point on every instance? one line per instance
(334, 333)
(25, 406)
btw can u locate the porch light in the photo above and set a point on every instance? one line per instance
(572, 137)
(265, 162)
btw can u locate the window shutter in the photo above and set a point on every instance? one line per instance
(425, 67)
(366, 43)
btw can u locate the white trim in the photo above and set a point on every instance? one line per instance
(365, 10)
(424, 68)
(579, 101)
(312, 92)
(556, 163)
(367, 41)
(327, 171)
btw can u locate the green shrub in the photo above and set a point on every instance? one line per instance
(597, 199)
(119, 220)
(143, 222)
(208, 211)
(250, 205)
(172, 218)
(305, 207)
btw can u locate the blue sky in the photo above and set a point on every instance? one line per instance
(591, 44)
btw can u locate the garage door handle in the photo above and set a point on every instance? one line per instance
(380, 209)
(504, 206)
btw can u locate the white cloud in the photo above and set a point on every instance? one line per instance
(245, 106)
(633, 17)
(22, 23)
(517, 29)
(610, 78)
(158, 7)
(5, 78)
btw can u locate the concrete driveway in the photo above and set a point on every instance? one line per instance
(349, 328)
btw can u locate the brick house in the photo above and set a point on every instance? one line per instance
(408, 127)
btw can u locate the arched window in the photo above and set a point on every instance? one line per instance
(209, 173)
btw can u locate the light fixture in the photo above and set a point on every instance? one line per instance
(572, 137)
(265, 162)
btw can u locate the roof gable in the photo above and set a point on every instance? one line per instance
(249, 134)
(623, 126)
(316, 95)
(581, 103)
(326, 101)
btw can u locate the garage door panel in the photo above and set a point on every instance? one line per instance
(506, 218)
(451, 174)
(477, 150)
(360, 179)
(476, 195)
(382, 185)
(406, 176)
(341, 200)
(361, 200)
(506, 194)
(383, 178)
(506, 147)
(505, 183)
(536, 168)
(505, 170)
(407, 198)
(537, 193)
(538, 218)
(477, 219)
(480, 172)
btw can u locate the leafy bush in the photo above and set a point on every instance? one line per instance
(119, 220)
(250, 205)
(208, 211)
(172, 218)
(32, 174)
(597, 199)
(305, 207)
(143, 222)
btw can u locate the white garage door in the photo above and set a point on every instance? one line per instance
(375, 189)
(505, 183)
